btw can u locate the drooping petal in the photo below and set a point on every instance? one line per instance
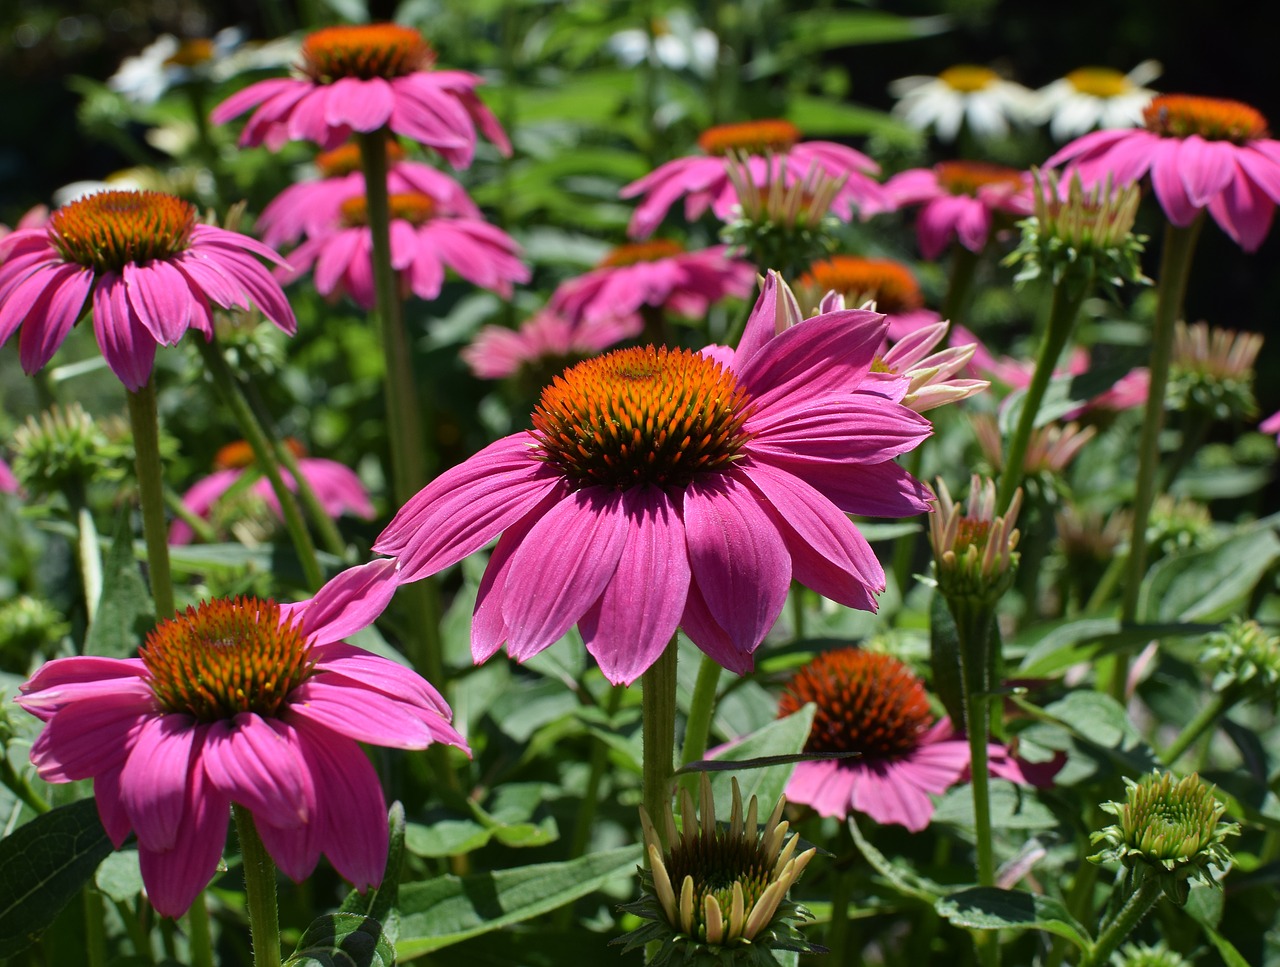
(255, 766)
(106, 791)
(712, 639)
(155, 781)
(296, 849)
(63, 681)
(158, 293)
(1206, 168)
(827, 787)
(1244, 212)
(369, 716)
(358, 103)
(348, 602)
(1166, 179)
(93, 734)
(50, 316)
(127, 346)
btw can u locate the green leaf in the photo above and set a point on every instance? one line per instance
(1012, 807)
(125, 600)
(905, 881)
(989, 908)
(450, 909)
(818, 30)
(43, 865)
(1206, 585)
(784, 737)
(944, 658)
(820, 116)
(382, 905)
(343, 940)
(1055, 646)
(119, 876)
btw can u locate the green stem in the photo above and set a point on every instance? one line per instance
(95, 937)
(698, 728)
(838, 933)
(145, 420)
(1218, 706)
(320, 518)
(90, 561)
(21, 787)
(1062, 317)
(264, 453)
(964, 266)
(658, 710)
(198, 935)
(1130, 915)
(260, 891)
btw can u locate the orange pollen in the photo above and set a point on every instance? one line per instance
(889, 283)
(365, 51)
(224, 657)
(191, 53)
(867, 702)
(238, 455)
(110, 229)
(1214, 119)
(642, 416)
(346, 159)
(661, 248)
(412, 207)
(1104, 82)
(966, 177)
(968, 78)
(753, 137)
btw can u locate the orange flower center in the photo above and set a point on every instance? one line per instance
(966, 177)
(968, 78)
(752, 137)
(365, 51)
(238, 455)
(1104, 82)
(971, 532)
(191, 53)
(661, 248)
(345, 159)
(224, 657)
(867, 702)
(889, 283)
(110, 229)
(1214, 119)
(642, 415)
(412, 207)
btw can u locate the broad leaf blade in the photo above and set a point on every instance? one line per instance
(989, 908)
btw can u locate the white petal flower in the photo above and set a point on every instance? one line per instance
(964, 94)
(1096, 97)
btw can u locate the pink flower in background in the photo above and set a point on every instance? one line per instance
(663, 488)
(8, 482)
(1128, 393)
(1017, 373)
(36, 217)
(150, 269)
(958, 200)
(547, 337)
(886, 282)
(1271, 425)
(312, 208)
(1201, 152)
(704, 182)
(930, 373)
(241, 701)
(337, 487)
(424, 242)
(658, 274)
(360, 79)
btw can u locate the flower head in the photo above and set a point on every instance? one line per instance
(545, 340)
(960, 201)
(168, 62)
(963, 94)
(700, 483)
(1211, 372)
(1051, 447)
(363, 78)
(886, 282)
(715, 892)
(930, 372)
(1096, 97)
(1202, 153)
(150, 269)
(1244, 658)
(675, 40)
(240, 701)
(974, 549)
(1147, 955)
(61, 452)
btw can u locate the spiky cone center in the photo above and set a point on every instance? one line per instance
(191, 53)
(643, 415)
(108, 230)
(968, 78)
(64, 446)
(223, 657)
(890, 284)
(365, 51)
(1213, 118)
(238, 455)
(772, 135)
(345, 159)
(1103, 82)
(413, 207)
(637, 252)
(1168, 821)
(966, 177)
(867, 702)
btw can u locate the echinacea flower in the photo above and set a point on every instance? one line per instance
(1271, 425)
(655, 275)
(8, 482)
(545, 338)
(248, 702)
(930, 373)
(886, 282)
(1051, 447)
(336, 486)
(424, 242)
(966, 94)
(769, 147)
(150, 269)
(1096, 97)
(362, 78)
(663, 488)
(168, 62)
(1202, 153)
(959, 201)
(1211, 371)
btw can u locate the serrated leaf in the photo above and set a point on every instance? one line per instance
(989, 908)
(124, 602)
(1205, 585)
(343, 940)
(43, 865)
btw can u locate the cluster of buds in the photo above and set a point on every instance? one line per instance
(1245, 659)
(1178, 525)
(30, 626)
(974, 549)
(1148, 955)
(63, 451)
(1211, 372)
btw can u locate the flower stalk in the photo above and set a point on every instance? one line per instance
(658, 722)
(260, 891)
(145, 420)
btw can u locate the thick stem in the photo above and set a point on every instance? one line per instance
(95, 936)
(21, 787)
(964, 265)
(260, 891)
(198, 933)
(658, 710)
(840, 951)
(1130, 915)
(698, 728)
(1203, 721)
(145, 420)
(973, 628)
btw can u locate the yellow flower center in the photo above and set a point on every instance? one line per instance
(636, 252)
(889, 283)
(1104, 82)
(1214, 119)
(412, 207)
(345, 159)
(642, 416)
(365, 51)
(968, 78)
(225, 657)
(753, 137)
(867, 702)
(110, 229)
(966, 177)
(190, 53)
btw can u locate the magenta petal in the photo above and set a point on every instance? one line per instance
(155, 780)
(296, 849)
(91, 735)
(869, 490)
(375, 672)
(823, 354)
(833, 795)
(369, 716)
(712, 639)
(1206, 168)
(1166, 179)
(856, 428)
(636, 616)
(887, 796)
(253, 765)
(127, 346)
(362, 105)
(52, 314)
(106, 790)
(64, 680)
(348, 602)
(159, 295)
(251, 96)
(762, 322)
(1244, 212)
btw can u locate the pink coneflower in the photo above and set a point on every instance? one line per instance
(150, 269)
(311, 208)
(423, 243)
(662, 488)
(1016, 373)
(36, 217)
(930, 373)
(959, 200)
(545, 338)
(1201, 152)
(1271, 425)
(248, 702)
(888, 283)
(8, 482)
(704, 180)
(336, 486)
(363, 78)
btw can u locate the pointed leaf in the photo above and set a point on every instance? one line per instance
(988, 908)
(343, 940)
(124, 603)
(382, 904)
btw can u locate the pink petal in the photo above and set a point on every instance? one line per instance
(93, 734)
(1206, 167)
(882, 792)
(362, 105)
(713, 640)
(251, 96)
(371, 671)
(156, 777)
(348, 602)
(127, 346)
(295, 849)
(255, 766)
(330, 701)
(1262, 170)
(62, 681)
(1166, 179)
(50, 301)
(1244, 212)
(158, 293)
(200, 500)
(106, 790)
(775, 304)
(858, 428)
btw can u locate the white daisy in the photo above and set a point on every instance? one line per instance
(678, 43)
(167, 62)
(1096, 97)
(968, 94)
